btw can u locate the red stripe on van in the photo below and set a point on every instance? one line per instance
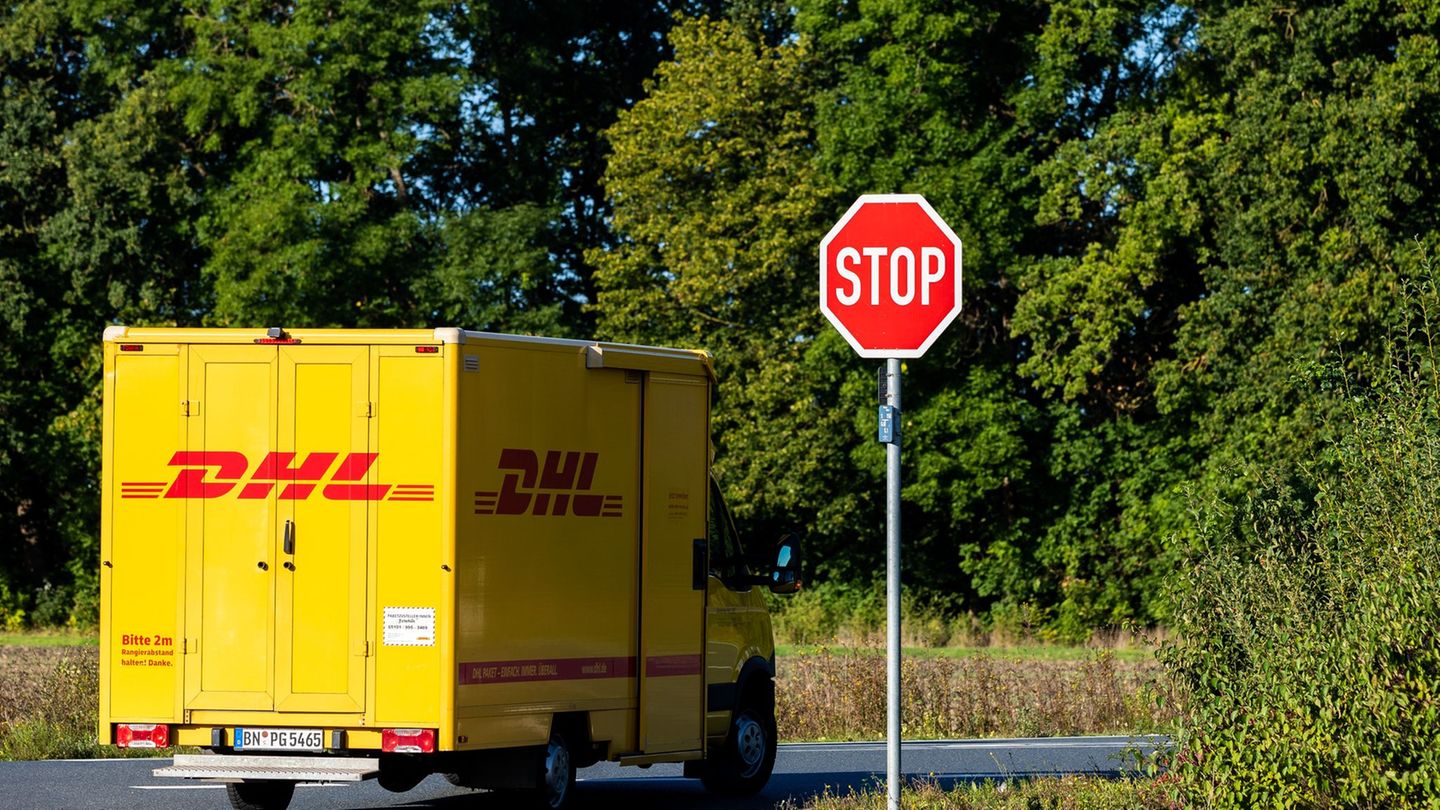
(545, 669)
(574, 669)
(659, 666)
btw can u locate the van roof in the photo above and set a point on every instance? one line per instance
(598, 354)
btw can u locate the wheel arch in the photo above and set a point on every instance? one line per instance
(576, 728)
(757, 673)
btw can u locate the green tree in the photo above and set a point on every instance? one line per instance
(918, 97)
(1170, 211)
(306, 122)
(542, 81)
(1018, 501)
(495, 272)
(1241, 221)
(882, 97)
(321, 163)
(718, 205)
(93, 227)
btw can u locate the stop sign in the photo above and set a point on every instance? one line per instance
(890, 275)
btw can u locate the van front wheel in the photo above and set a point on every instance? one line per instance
(743, 764)
(263, 794)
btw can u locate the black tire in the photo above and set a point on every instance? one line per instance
(262, 794)
(557, 775)
(742, 766)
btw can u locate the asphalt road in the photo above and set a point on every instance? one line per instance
(801, 770)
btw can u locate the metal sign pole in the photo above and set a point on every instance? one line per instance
(890, 327)
(892, 584)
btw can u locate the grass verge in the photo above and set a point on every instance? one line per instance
(1063, 793)
(1029, 652)
(56, 638)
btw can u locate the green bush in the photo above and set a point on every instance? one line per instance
(12, 608)
(1307, 622)
(833, 611)
(837, 612)
(53, 604)
(35, 739)
(827, 611)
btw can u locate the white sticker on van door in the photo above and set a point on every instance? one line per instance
(409, 627)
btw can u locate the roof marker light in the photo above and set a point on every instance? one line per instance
(275, 336)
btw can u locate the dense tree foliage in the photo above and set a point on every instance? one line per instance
(1171, 211)
(316, 163)
(1013, 498)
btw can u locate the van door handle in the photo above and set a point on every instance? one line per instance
(289, 537)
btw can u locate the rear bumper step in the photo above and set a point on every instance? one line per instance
(295, 769)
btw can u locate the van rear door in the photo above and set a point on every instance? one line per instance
(320, 609)
(276, 559)
(230, 549)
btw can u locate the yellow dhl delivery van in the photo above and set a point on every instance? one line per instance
(331, 555)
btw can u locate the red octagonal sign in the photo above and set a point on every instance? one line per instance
(890, 275)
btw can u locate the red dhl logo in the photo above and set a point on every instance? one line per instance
(217, 473)
(560, 487)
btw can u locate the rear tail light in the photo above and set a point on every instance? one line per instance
(408, 740)
(142, 735)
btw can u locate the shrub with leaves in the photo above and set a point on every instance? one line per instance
(1308, 619)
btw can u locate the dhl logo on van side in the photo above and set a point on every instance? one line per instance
(560, 487)
(345, 482)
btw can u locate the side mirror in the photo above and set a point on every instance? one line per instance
(785, 574)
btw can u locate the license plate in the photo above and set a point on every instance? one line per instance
(279, 739)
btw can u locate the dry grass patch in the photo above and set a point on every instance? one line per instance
(43, 681)
(48, 702)
(48, 698)
(840, 695)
